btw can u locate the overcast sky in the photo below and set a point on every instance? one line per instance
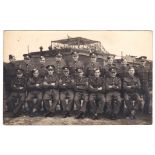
(137, 43)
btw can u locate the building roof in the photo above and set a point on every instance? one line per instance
(76, 41)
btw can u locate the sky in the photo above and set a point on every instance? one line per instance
(136, 43)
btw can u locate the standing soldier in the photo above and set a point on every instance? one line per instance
(34, 86)
(96, 97)
(66, 92)
(27, 66)
(131, 86)
(110, 64)
(73, 65)
(142, 73)
(58, 64)
(122, 73)
(81, 87)
(93, 65)
(113, 98)
(51, 92)
(17, 97)
(42, 66)
(9, 73)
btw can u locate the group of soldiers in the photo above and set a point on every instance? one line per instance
(94, 90)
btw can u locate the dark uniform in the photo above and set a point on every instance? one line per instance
(143, 74)
(34, 86)
(113, 99)
(51, 92)
(131, 85)
(58, 64)
(122, 73)
(96, 97)
(80, 88)
(73, 65)
(9, 74)
(108, 66)
(17, 97)
(92, 66)
(66, 92)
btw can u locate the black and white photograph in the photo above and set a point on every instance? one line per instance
(77, 77)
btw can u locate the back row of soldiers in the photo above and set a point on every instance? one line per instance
(72, 85)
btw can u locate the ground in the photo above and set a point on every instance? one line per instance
(26, 120)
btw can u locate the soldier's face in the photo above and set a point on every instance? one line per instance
(58, 59)
(110, 61)
(97, 73)
(19, 75)
(12, 60)
(93, 59)
(131, 71)
(27, 61)
(66, 73)
(75, 57)
(143, 63)
(113, 74)
(80, 74)
(124, 62)
(50, 72)
(42, 61)
(36, 74)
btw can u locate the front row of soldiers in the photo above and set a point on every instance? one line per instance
(96, 94)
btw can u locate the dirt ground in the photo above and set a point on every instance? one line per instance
(57, 120)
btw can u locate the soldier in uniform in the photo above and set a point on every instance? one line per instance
(66, 91)
(51, 92)
(80, 88)
(17, 97)
(27, 65)
(42, 66)
(131, 85)
(122, 73)
(110, 64)
(9, 73)
(73, 65)
(58, 64)
(93, 65)
(97, 97)
(34, 86)
(142, 73)
(113, 98)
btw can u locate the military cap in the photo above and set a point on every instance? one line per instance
(19, 71)
(50, 67)
(143, 58)
(66, 69)
(11, 56)
(93, 55)
(27, 57)
(59, 55)
(131, 67)
(113, 69)
(74, 53)
(110, 57)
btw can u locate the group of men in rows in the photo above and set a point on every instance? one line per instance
(94, 89)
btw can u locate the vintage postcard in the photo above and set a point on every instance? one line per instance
(77, 77)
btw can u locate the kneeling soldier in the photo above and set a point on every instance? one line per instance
(34, 98)
(113, 99)
(97, 98)
(131, 86)
(66, 92)
(81, 87)
(51, 92)
(17, 97)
